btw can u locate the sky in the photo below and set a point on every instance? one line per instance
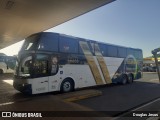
(131, 23)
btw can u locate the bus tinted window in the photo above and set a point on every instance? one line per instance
(131, 51)
(122, 52)
(26, 65)
(31, 42)
(84, 47)
(79, 46)
(2, 59)
(138, 54)
(91, 46)
(96, 48)
(112, 51)
(80, 50)
(68, 45)
(41, 65)
(48, 42)
(103, 49)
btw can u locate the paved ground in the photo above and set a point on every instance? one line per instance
(116, 99)
(12, 100)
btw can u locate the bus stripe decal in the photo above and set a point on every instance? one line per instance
(104, 69)
(103, 66)
(91, 62)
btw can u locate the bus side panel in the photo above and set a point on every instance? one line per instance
(130, 65)
(81, 75)
(91, 62)
(99, 69)
(113, 64)
(55, 80)
(40, 85)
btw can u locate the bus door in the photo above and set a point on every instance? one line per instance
(41, 72)
(54, 73)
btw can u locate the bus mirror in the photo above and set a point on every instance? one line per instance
(7, 67)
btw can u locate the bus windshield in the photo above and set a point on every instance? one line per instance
(31, 42)
(25, 66)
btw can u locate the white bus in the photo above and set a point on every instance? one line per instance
(7, 64)
(55, 62)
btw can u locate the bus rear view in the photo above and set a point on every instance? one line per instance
(55, 62)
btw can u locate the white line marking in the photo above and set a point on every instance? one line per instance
(146, 104)
(8, 81)
(153, 80)
(2, 104)
(136, 109)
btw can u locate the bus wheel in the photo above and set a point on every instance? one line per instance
(1, 71)
(67, 85)
(130, 78)
(124, 79)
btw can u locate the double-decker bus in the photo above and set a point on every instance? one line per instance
(7, 64)
(55, 62)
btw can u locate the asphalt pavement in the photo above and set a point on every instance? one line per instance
(118, 99)
(114, 101)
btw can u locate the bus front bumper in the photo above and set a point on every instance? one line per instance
(24, 88)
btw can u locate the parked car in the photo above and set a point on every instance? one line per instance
(149, 69)
(154, 69)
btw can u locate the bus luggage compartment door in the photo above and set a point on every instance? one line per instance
(40, 85)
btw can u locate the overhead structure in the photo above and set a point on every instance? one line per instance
(20, 18)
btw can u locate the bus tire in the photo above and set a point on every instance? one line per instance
(130, 78)
(1, 71)
(67, 86)
(124, 79)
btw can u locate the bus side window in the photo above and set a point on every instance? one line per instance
(103, 49)
(131, 51)
(48, 42)
(54, 64)
(122, 52)
(2, 59)
(41, 65)
(112, 51)
(68, 44)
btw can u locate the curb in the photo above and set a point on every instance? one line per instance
(79, 95)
